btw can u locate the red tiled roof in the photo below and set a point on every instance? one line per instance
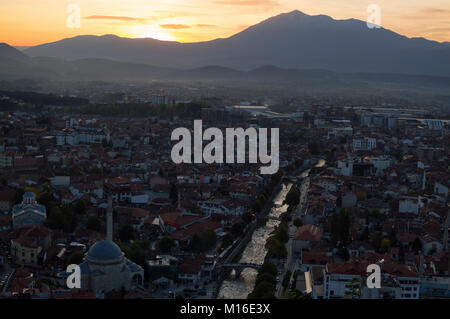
(308, 233)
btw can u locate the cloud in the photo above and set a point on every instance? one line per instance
(262, 3)
(119, 18)
(201, 25)
(436, 11)
(174, 26)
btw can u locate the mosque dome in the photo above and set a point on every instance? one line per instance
(104, 252)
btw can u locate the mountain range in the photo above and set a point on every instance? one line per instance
(285, 47)
(289, 40)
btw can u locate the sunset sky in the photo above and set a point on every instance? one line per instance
(31, 22)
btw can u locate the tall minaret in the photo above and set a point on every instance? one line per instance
(109, 220)
(424, 180)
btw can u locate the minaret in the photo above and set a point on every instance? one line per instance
(424, 180)
(109, 220)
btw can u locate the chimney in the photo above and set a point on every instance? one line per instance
(109, 220)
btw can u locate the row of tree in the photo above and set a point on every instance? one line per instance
(190, 110)
(265, 282)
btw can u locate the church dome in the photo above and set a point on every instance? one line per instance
(104, 252)
(29, 195)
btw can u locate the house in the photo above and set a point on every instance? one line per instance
(342, 279)
(190, 269)
(407, 276)
(306, 237)
(29, 244)
(441, 189)
(310, 259)
(408, 205)
(7, 199)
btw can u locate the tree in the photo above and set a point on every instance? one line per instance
(393, 237)
(286, 279)
(353, 289)
(75, 258)
(282, 233)
(314, 148)
(265, 282)
(46, 198)
(286, 216)
(364, 235)
(143, 243)
(385, 244)
(247, 217)
(375, 240)
(417, 245)
(361, 196)
(275, 248)
(263, 290)
(237, 228)
(292, 197)
(227, 240)
(173, 193)
(298, 222)
(80, 207)
(126, 233)
(54, 218)
(93, 223)
(18, 196)
(340, 227)
(205, 241)
(137, 255)
(166, 244)
(269, 268)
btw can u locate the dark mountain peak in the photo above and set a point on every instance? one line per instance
(294, 13)
(298, 15)
(110, 36)
(10, 52)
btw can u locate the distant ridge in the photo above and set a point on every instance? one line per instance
(8, 51)
(288, 40)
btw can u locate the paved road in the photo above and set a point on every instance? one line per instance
(291, 260)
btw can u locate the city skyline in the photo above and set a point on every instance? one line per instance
(198, 20)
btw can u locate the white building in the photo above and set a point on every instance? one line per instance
(364, 144)
(29, 212)
(408, 205)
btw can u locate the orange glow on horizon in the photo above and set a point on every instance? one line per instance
(29, 22)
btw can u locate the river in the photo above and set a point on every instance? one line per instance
(255, 252)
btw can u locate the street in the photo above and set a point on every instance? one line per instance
(290, 263)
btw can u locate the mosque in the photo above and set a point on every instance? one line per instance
(105, 267)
